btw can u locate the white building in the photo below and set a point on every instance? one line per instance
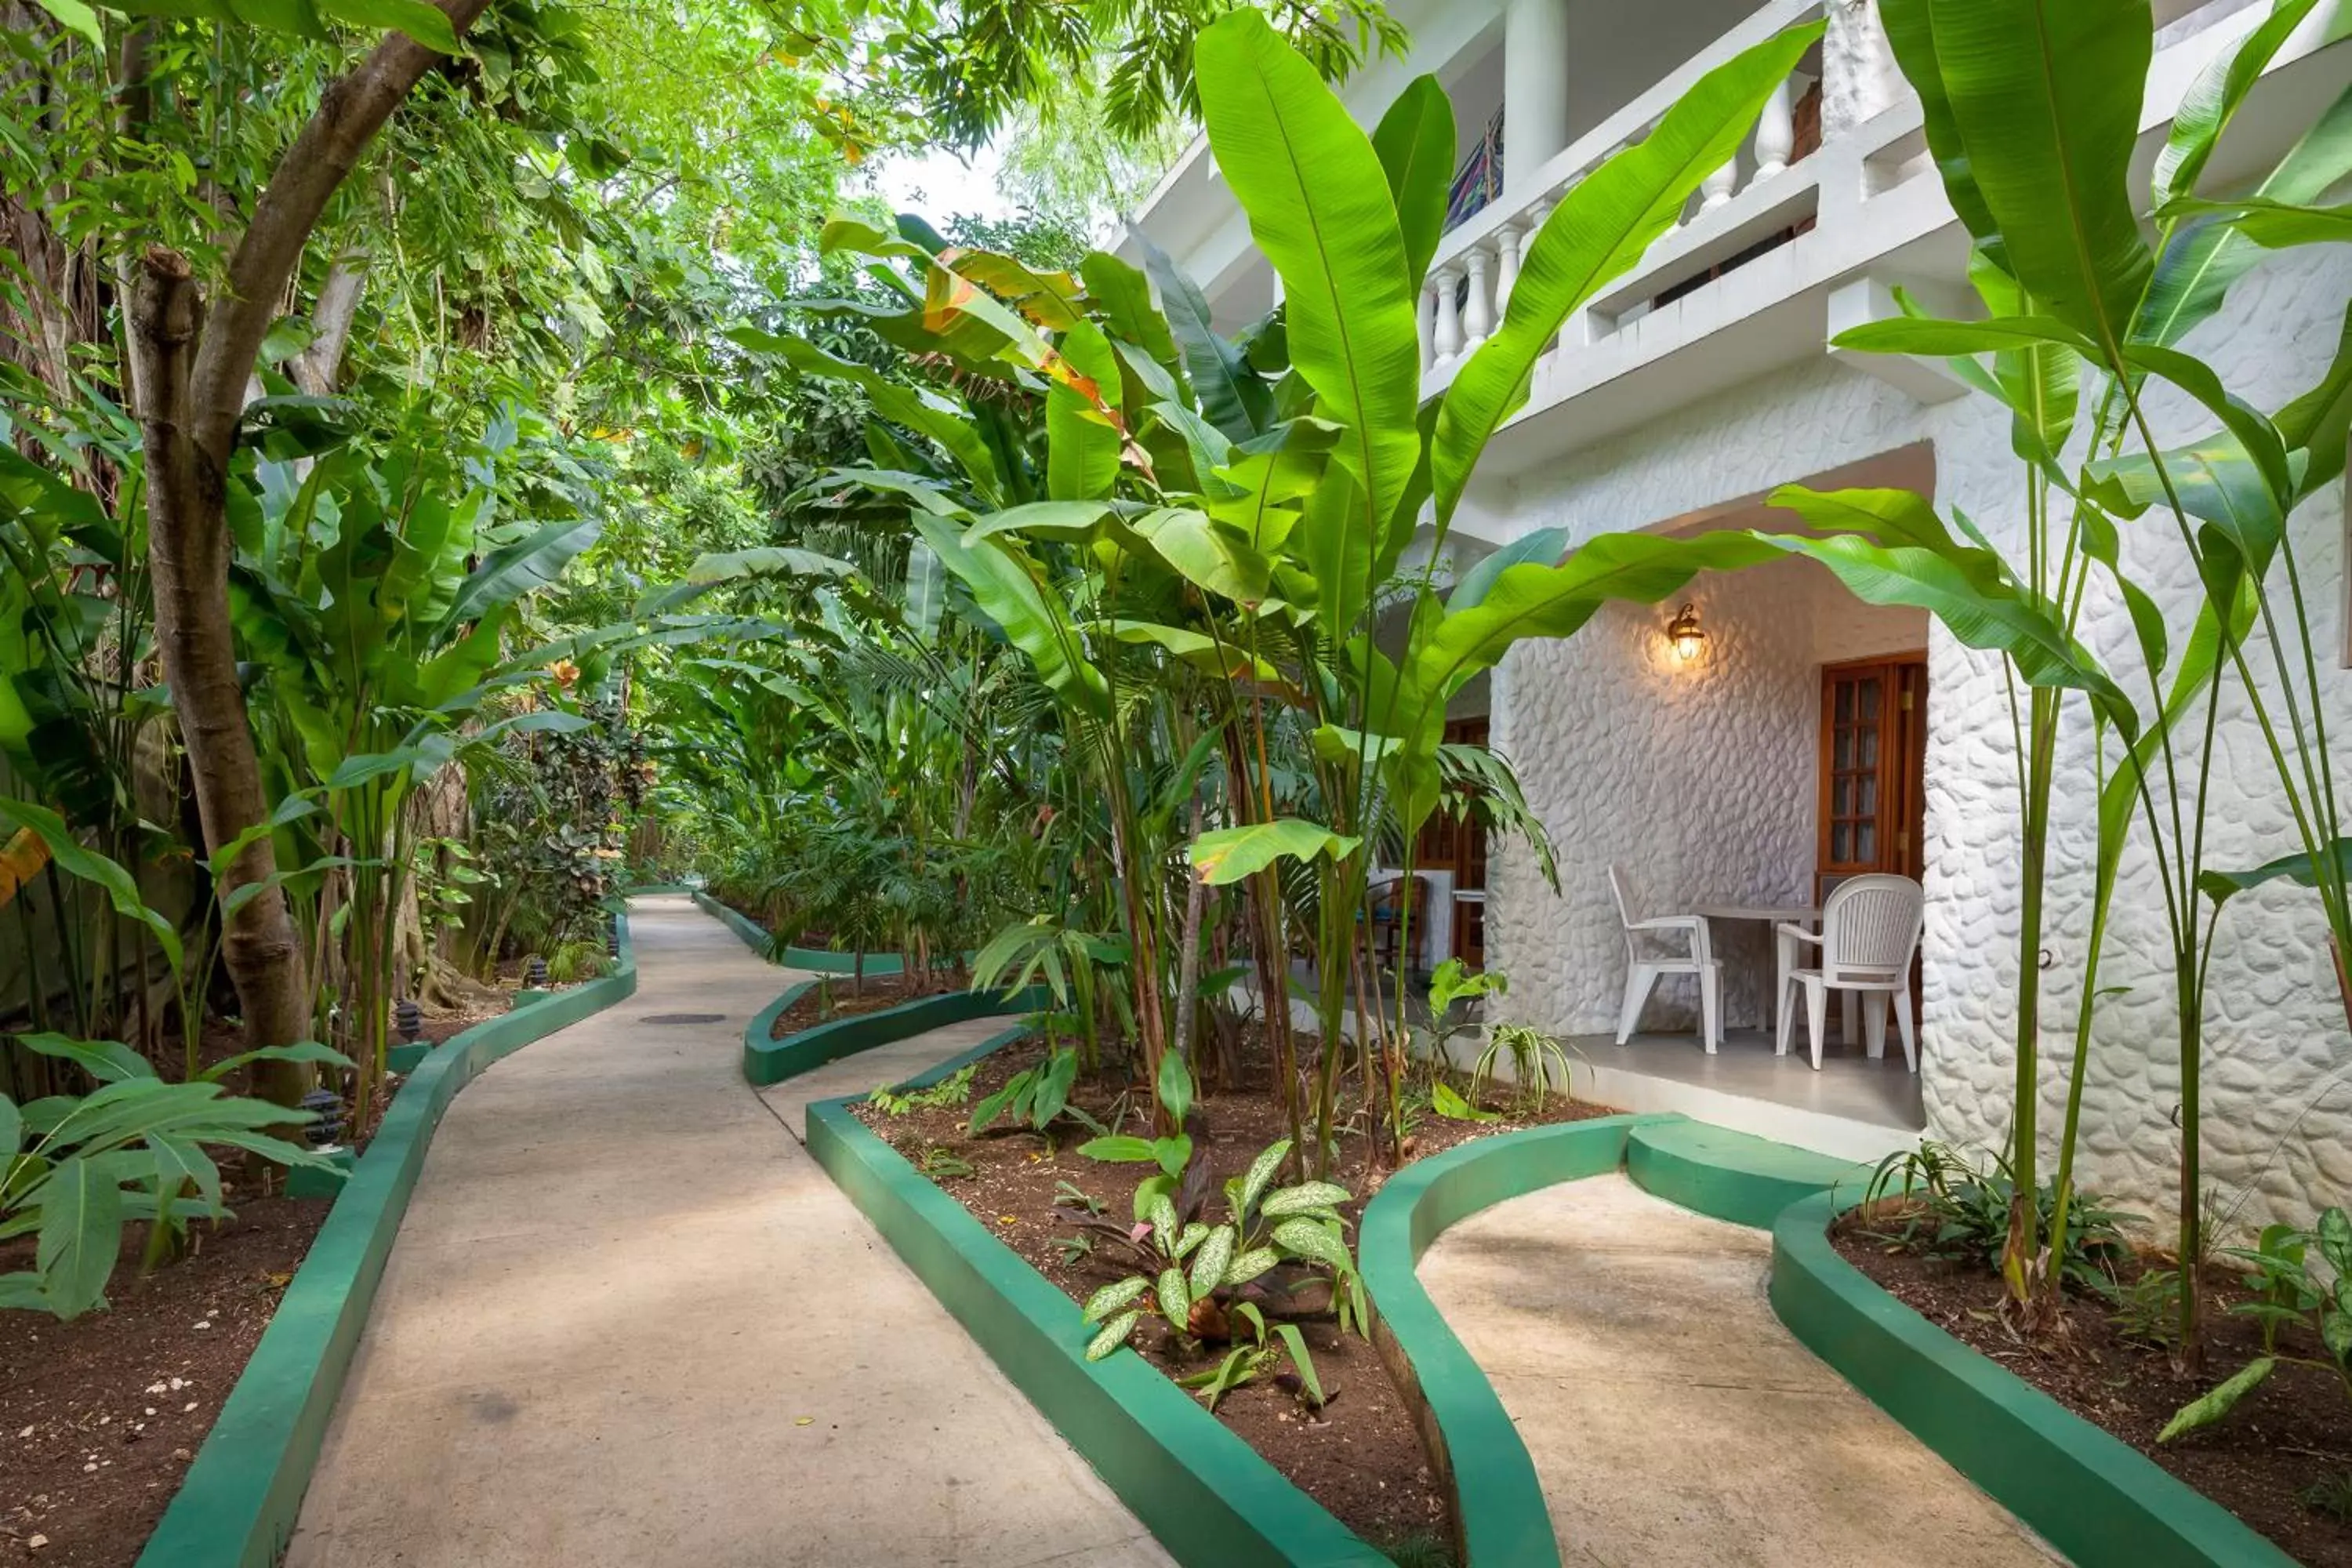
(1680, 398)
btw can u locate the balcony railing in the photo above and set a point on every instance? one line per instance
(1478, 263)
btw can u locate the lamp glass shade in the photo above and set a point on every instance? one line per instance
(1689, 639)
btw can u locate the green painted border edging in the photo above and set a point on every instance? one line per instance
(1208, 1497)
(767, 1060)
(1730, 1175)
(1498, 1503)
(2090, 1494)
(238, 1505)
(817, 958)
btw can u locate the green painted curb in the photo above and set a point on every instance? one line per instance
(2090, 1495)
(238, 1503)
(767, 1060)
(1732, 1175)
(1498, 1503)
(817, 958)
(1211, 1500)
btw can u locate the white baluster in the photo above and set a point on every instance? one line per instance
(1426, 315)
(1776, 134)
(1447, 337)
(1507, 266)
(1718, 186)
(1478, 316)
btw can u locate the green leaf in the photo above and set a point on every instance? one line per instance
(1249, 1265)
(2299, 867)
(511, 570)
(719, 568)
(2044, 95)
(1305, 1198)
(107, 1061)
(1448, 1103)
(2218, 1401)
(1910, 32)
(1229, 854)
(946, 421)
(309, 1052)
(1254, 1182)
(12, 1130)
(1302, 1363)
(1599, 232)
(1082, 438)
(1209, 1264)
(1172, 1152)
(2212, 101)
(76, 17)
(68, 855)
(1318, 207)
(1119, 1148)
(1123, 295)
(2195, 269)
(1232, 396)
(1113, 1297)
(2336, 1334)
(428, 24)
(1415, 143)
(81, 1232)
(1175, 1087)
(1113, 1335)
(2335, 1236)
(1175, 1304)
(1311, 1238)
(1038, 626)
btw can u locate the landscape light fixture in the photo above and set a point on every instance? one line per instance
(1689, 638)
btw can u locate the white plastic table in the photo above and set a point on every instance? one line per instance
(1806, 915)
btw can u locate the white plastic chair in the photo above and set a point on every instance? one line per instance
(1642, 969)
(1870, 931)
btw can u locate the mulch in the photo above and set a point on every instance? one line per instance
(2291, 1433)
(835, 997)
(1362, 1456)
(101, 1417)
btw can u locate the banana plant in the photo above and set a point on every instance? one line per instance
(2032, 114)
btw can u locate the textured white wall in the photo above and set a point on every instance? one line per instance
(1701, 750)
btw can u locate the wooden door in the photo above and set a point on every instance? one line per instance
(1874, 749)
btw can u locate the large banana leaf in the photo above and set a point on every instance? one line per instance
(72, 857)
(1911, 33)
(509, 572)
(929, 413)
(1037, 624)
(1123, 296)
(1232, 396)
(1598, 233)
(1415, 143)
(720, 567)
(1083, 439)
(1230, 853)
(2195, 270)
(2045, 97)
(2212, 101)
(1318, 205)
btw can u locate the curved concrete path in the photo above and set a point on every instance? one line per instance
(1672, 1419)
(629, 1321)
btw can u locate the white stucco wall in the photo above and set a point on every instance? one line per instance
(1606, 743)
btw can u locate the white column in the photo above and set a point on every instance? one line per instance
(1478, 316)
(1426, 313)
(1859, 76)
(1506, 265)
(1776, 134)
(1717, 187)
(1536, 47)
(1447, 338)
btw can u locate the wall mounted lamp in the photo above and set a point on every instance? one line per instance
(1688, 638)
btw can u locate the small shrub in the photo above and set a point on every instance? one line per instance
(953, 1089)
(1956, 1211)
(576, 961)
(1533, 1056)
(2331, 1496)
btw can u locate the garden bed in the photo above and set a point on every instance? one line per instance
(835, 999)
(2287, 1436)
(104, 1414)
(1362, 1460)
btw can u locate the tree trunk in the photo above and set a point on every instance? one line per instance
(191, 374)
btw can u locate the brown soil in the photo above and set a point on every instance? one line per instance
(2292, 1433)
(834, 999)
(1362, 1458)
(101, 1417)
(104, 1413)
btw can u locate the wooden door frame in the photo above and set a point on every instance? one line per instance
(1902, 755)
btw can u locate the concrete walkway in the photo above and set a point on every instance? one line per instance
(1672, 1419)
(628, 1321)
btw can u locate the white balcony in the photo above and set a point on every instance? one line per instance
(1830, 202)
